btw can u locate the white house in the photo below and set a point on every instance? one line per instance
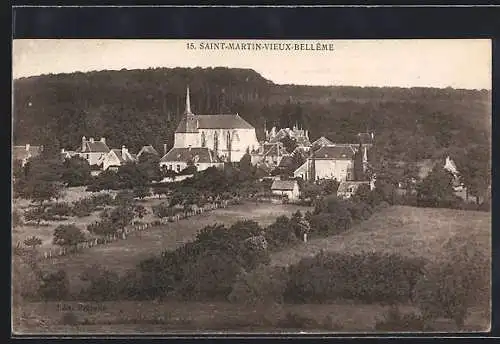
(328, 162)
(289, 188)
(229, 136)
(178, 159)
(116, 158)
(93, 150)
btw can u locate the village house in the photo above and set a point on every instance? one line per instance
(22, 154)
(269, 154)
(288, 188)
(229, 136)
(177, 159)
(300, 136)
(328, 162)
(116, 158)
(93, 150)
(148, 149)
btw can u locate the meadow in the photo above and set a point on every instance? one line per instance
(401, 229)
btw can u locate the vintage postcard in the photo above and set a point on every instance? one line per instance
(251, 186)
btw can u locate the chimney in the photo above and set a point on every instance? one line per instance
(84, 139)
(62, 150)
(27, 147)
(189, 148)
(91, 140)
(164, 148)
(124, 151)
(103, 140)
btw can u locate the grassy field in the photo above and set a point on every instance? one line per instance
(406, 230)
(122, 255)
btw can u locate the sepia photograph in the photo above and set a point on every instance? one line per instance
(172, 186)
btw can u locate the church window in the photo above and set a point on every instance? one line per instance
(203, 139)
(216, 141)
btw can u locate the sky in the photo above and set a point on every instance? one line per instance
(457, 63)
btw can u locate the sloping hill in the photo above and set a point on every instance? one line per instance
(405, 230)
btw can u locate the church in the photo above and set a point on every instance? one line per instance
(227, 136)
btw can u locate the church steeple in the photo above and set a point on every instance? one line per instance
(188, 103)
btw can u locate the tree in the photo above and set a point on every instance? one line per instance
(358, 164)
(246, 163)
(76, 172)
(289, 143)
(150, 165)
(436, 189)
(68, 236)
(42, 180)
(33, 242)
(141, 192)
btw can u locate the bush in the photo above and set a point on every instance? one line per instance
(54, 286)
(82, 208)
(367, 277)
(395, 321)
(60, 209)
(279, 234)
(163, 210)
(102, 284)
(264, 285)
(457, 282)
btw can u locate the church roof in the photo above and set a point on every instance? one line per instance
(93, 147)
(223, 122)
(196, 154)
(335, 153)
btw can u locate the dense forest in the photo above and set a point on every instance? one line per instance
(138, 107)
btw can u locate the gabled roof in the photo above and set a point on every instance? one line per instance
(94, 147)
(127, 157)
(283, 185)
(335, 153)
(196, 155)
(148, 149)
(223, 122)
(286, 161)
(322, 141)
(25, 152)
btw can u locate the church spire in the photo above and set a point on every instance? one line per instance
(188, 103)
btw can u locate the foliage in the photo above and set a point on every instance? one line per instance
(54, 286)
(141, 192)
(36, 214)
(32, 241)
(289, 143)
(279, 234)
(17, 219)
(260, 286)
(460, 281)
(436, 189)
(41, 182)
(106, 180)
(149, 164)
(163, 210)
(102, 284)
(68, 235)
(76, 172)
(60, 209)
(364, 276)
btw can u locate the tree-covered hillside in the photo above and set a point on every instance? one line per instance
(138, 107)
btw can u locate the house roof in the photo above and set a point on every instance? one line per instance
(283, 184)
(94, 147)
(335, 153)
(24, 152)
(322, 141)
(124, 157)
(148, 149)
(345, 185)
(191, 123)
(196, 154)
